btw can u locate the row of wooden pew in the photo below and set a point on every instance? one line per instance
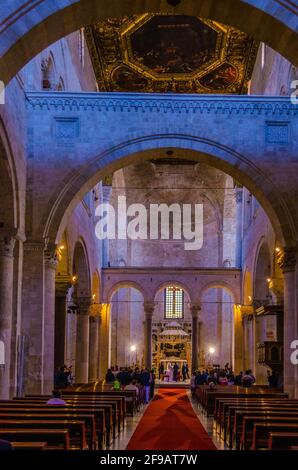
(253, 418)
(91, 419)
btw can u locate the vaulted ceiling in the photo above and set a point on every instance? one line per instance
(170, 53)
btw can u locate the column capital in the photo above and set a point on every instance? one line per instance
(286, 259)
(195, 309)
(63, 282)
(7, 244)
(51, 257)
(84, 304)
(95, 310)
(149, 308)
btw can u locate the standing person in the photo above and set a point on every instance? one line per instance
(161, 371)
(187, 371)
(145, 381)
(183, 370)
(175, 371)
(152, 383)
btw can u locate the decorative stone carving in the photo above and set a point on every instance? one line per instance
(287, 259)
(7, 246)
(277, 133)
(149, 308)
(63, 282)
(51, 258)
(83, 304)
(195, 309)
(140, 103)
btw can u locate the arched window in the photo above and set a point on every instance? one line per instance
(174, 302)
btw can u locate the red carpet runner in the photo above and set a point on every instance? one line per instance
(169, 423)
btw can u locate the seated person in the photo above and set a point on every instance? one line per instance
(132, 386)
(56, 400)
(5, 445)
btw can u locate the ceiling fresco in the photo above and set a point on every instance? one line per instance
(170, 53)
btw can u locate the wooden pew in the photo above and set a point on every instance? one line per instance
(55, 438)
(29, 445)
(250, 408)
(76, 429)
(88, 420)
(110, 406)
(262, 430)
(283, 440)
(66, 412)
(248, 422)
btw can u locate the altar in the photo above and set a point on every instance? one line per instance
(173, 345)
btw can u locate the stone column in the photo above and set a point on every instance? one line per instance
(82, 347)
(63, 283)
(48, 327)
(287, 262)
(149, 310)
(195, 309)
(93, 349)
(106, 196)
(238, 340)
(239, 224)
(6, 303)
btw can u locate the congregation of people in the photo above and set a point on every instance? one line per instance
(219, 377)
(127, 378)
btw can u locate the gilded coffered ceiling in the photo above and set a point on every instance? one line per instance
(170, 53)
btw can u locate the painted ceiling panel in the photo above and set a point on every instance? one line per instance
(170, 53)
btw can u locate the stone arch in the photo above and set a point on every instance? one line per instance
(247, 288)
(187, 147)
(108, 295)
(10, 220)
(220, 284)
(80, 267)
(49, 74)
(217, 323)
(50, 20)
(262, 272)
(95, 287)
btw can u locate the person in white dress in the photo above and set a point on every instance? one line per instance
(170, 372)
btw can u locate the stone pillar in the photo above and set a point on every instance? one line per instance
(6, 303)
(106, 196)
(238, 340)
(287, 262)
(71, 335)
(239, 224)
(104, 339)
(48, 327)
(93, 348)
(63, 283)
(149, 310)
(195, 309)
(82, 346)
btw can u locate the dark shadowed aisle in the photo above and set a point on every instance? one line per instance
(170, 423)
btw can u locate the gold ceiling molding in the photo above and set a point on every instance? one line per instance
(170, 53)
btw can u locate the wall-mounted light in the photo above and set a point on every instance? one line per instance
(269, 280)
(74, 279)
(133, 348)
(211, 350)
(277, 249)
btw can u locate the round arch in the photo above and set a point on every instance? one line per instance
(81, 269)
(50, 20)
(188, 147)
(123, 285)
(221, 285)
(262, 271)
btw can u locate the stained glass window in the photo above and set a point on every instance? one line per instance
(174, 302)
